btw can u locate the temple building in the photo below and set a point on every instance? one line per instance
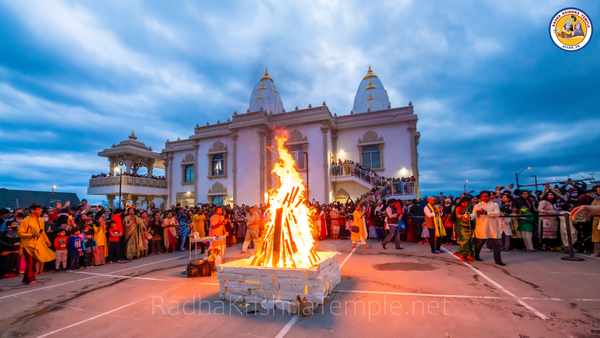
(231, 161)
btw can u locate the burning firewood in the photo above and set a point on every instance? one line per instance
(287, 240)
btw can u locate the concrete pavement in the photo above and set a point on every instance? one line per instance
(383, 293)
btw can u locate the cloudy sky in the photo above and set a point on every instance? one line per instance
(492, 92)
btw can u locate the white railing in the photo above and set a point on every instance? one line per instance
(353, 170)
(391, 189)
(128, 180)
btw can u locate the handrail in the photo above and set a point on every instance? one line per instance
(353, 170)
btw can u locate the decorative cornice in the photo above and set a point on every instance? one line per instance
(370, 137)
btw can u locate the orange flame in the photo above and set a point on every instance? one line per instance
(287, 241)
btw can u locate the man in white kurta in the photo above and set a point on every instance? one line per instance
(253, 230)
(487, 229)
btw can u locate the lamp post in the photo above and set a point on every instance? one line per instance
(466, 186)
(52, 198)
(519, 173)
(120, 184)
(535, 176)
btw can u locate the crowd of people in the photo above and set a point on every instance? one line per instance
(103, 175)
(68, 238)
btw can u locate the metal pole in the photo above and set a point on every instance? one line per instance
(307, 190)
(571, 256)
(52, 199)
(120, 184)
(517, 177)
(535, 176)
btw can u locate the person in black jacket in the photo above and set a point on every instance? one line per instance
(10, 242)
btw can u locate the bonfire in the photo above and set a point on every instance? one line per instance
(287, 241)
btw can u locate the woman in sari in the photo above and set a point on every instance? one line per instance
(548, 223)
(170, 232)
(359, 229)
(101, 251)
(464, 231)
(134, 230)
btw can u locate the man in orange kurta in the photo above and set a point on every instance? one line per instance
(34, 243)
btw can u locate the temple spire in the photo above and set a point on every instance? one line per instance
(370, 74)
(266, 76)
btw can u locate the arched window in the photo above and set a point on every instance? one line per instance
(297, 153)
(189, 173)
(218, 165)
(371, 157)
(218, 200)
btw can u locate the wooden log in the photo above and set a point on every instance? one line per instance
(294, 195)
(294, 248)
(277, 235)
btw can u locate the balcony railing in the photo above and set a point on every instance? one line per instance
(397, 188)
(128, 180)
(361, 174)
(391, 190)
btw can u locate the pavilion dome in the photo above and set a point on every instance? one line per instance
(265, 96)
(371, 95)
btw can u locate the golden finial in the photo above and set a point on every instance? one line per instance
(275, 89)
(370, 74)
(370, 97)
(262, 86)
(370, 86)
(259, 103)
(259, 96)
(266, 76)
(370, 106)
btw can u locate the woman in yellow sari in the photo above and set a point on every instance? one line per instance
(359, 229)
(101, 251)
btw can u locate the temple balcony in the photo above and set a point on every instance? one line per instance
(129, 186)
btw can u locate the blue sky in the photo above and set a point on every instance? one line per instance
(491, 90)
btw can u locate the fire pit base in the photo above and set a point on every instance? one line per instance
(278, 288)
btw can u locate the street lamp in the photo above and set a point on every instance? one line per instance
(519, 173)
(52, 198)
(466, 186)
(535, 176)
(120, 184)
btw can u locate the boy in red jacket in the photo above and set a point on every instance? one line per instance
(60, 244)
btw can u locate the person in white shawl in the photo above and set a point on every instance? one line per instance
(487, 229)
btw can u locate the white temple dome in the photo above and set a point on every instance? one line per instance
(265, 96)
(371, 94)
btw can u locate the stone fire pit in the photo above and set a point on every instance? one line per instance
(278, 288)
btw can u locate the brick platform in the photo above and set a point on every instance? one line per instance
(278, 288)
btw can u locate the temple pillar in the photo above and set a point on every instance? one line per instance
(261, 137)
(150, 168)
(149, 199)
(134, 200)
(234, 137)
(111, 201)
(325, 131)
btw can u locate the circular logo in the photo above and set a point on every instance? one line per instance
(571, 29)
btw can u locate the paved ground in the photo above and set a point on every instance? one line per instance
(383, 293)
